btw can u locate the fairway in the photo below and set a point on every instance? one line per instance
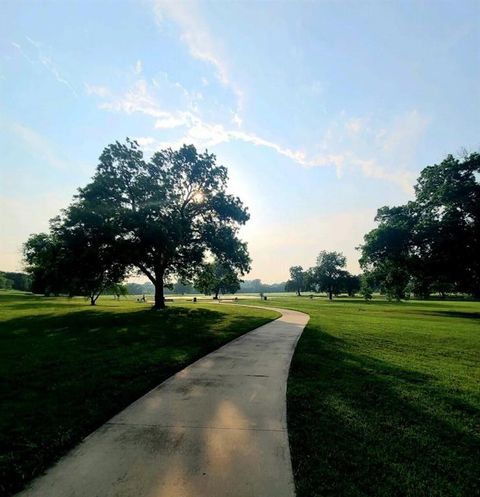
(384, 398)
(66, 367)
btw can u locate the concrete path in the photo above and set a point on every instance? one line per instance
(216, 429)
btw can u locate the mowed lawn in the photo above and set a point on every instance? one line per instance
(384, 399)
(67, 367)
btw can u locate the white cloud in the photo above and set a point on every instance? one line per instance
(45, 61)
(354, 125)
(198, 39)
(172, 121)
(348, 144)
(99, 91)
(236, 119)
(145, 141)
(138, 68)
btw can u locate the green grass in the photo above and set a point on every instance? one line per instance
(384, 399)
(66, 367)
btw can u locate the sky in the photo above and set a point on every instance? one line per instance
(322, 111)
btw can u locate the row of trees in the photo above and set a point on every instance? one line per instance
(208, 284)
(15, 281)
(328, 275)
(163, 218)
(431, 244)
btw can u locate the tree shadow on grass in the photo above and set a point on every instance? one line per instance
(452, 314)
(63, 375)
(363, 427)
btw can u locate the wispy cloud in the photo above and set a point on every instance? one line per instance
(42, 148)
(99, 91)
(198, 38)
(45, 61)
(348, 144)
(39, 145)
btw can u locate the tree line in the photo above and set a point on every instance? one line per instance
(171, 219)
(431, 245)
(328, 275)
(15, 281)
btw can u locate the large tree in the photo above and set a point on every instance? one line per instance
(388, 250)
(167, 213)
(430, 244)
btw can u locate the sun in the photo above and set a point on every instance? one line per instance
(198, 197)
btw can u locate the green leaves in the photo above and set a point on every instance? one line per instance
(432, 243)
(159, 216)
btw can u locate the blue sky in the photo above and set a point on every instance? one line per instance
(322, 111)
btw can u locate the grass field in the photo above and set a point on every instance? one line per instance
(384, 399)
(65, 367)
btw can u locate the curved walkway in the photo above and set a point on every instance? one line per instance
(217, 428)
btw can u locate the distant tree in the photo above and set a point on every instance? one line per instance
(328, 272)
(20, 281)
(290, 286)
(310, 282)
(297, 279)
(217, 277)
(350, 284)
(118, 290)
(180, 288)
(43, 254)
(166, 213)
(5, 283)
(251, 286)
(367, 285)
(140, 288)
(256, 286)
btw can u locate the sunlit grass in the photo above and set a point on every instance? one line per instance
(384, 398)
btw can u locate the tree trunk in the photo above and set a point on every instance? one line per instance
(159, 296)
(93, 300)
(298, 293)
(330, 294)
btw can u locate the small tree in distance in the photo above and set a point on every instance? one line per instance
(329, 272)
(297, 278)
(217, 277)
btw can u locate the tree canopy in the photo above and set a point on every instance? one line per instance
(160, 217)
(432, 243)
(297, 279)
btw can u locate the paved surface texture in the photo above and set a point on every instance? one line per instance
(217, 428)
